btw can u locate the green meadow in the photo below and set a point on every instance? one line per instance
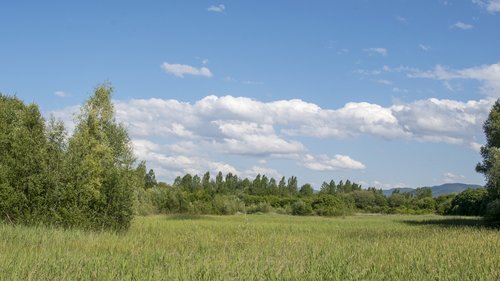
(257, 247)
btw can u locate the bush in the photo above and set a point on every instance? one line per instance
(470, 202)
(332, 205)
(300, 208)
(493, 211)
(262, 207)
(227, 205)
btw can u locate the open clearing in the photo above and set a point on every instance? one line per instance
(258, 247)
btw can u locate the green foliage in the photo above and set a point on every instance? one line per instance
(423, 192)
(306, 190)
(301, 208)
(99, 161)
(332, 205)
(490, 152)
(493, 211)
(470, 202)
(26, 190)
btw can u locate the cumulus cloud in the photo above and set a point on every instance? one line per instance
(461, 25)
(173, 164)
(216, 8)
(491, 6)
(449, 121)
(325, 163)
(242, 125)
(179, 70)
(475, 146)
(181, 137)
(488, 74)
(258, 170)
(450, 177)
(376, 51)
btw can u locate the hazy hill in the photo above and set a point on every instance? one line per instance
(438, 190)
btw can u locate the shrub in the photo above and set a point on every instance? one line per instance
(470, 202)
(300, 208)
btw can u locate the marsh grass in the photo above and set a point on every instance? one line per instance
(257, 247)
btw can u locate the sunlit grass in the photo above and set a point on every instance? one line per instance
(257, 247)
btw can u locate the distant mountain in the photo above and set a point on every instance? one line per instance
(438, 190)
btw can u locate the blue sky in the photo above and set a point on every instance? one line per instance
(386, 93)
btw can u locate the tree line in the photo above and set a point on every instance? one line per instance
(91, 179)
(229, 194)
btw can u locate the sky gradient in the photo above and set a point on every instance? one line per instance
(384, 93)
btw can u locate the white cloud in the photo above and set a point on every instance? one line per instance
(257, 170)
(325, 163)
(489, 75)
(475, 146)
(179, 137)
(179, 70)
(424, 47)
(376, 51)
(461, 25)
(491, 6)
(240, 125)
(157, 155)
(385, 82)
(451, 178)
(448, 121)
(217, 8)
(60, 94)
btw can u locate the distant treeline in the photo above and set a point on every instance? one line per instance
(229, 194)
(91, 180)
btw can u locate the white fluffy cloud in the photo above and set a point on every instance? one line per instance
(216, 8)
(491, 6)
(178, 137)
(450, 177)
(488, 74)
(461, 25)
(179, 70)
(325, 163)
(240, 125)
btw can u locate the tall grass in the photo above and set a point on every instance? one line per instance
(257, 247)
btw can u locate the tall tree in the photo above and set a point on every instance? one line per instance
(490, 166)
(24, 185)
(100, 166)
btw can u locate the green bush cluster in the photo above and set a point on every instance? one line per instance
(45, 178)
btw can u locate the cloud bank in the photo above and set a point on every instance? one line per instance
(177, 137)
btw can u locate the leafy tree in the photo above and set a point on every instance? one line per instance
(25, 185)
(490, 166)
(292, 185)
(150, 179)
(470, 202)
(99, 167)
(306, 190)
(423, 192)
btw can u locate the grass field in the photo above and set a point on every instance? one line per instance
(257, 247)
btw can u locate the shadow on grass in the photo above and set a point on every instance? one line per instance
(187, 217)
(454, 222)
